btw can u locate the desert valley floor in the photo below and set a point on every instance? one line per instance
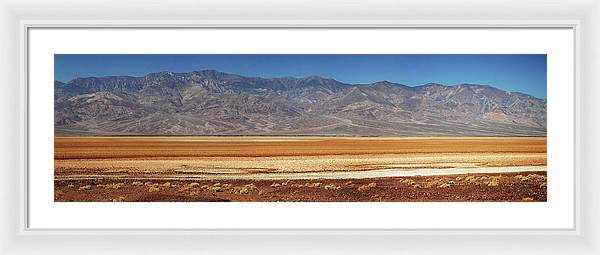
(298, 168)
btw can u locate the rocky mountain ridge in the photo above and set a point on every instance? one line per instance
(210, 102)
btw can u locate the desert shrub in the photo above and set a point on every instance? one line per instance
(153, 189)
(275, 185)
(114, 185)
(216, 189)
(194, 184)
(119, 199)
(331, 187)
(444, 185)
(195, 193)
(494, 181)
(471, 179)
(247, 188)
(408, 182)
(437, 182)
(86, 187)
(367, 186)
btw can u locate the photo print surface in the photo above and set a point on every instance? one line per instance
(300, 128)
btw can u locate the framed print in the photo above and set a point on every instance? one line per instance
(203, 133)
(305, 122)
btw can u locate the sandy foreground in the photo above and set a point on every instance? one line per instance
(300, 169)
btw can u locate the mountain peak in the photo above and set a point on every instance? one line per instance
(314, 77)
(433, 84)
(209, 102)
(214, 79)
(388, 83)
(208, 72)
(160, 74)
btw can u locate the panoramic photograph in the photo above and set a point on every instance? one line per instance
(300, 128)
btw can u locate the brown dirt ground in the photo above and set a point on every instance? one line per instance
(519, 187)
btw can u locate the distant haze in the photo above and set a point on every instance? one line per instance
(210, 102)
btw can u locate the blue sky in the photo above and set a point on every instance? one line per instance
(512, 72)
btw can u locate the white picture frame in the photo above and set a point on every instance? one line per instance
(18, 17)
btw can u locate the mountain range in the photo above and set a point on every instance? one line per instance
(210, 102)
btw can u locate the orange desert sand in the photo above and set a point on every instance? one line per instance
(300, 169)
